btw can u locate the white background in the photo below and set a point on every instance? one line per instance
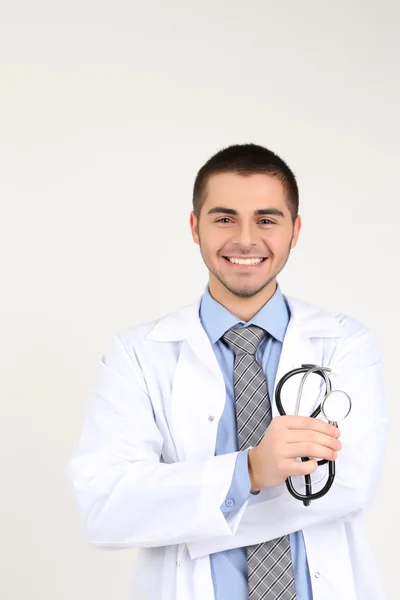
(107, 111)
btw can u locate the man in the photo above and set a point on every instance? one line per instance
(183, 453)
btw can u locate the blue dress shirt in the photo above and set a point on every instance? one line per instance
(229, 568)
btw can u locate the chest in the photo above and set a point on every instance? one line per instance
(188, 390)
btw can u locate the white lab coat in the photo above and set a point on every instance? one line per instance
(145, 474)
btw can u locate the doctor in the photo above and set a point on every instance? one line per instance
(183, 454)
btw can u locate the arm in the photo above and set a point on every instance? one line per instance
(126, 496)
(358, 466)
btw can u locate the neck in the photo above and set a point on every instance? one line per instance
(243, 308)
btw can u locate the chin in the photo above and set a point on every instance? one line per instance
(245, 290)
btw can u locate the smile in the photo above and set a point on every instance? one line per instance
(245, 262)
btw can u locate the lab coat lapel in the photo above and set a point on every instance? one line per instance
(297, 349)
(198, 388)
(198, 396)
(308, 323)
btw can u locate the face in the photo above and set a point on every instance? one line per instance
(243, 217)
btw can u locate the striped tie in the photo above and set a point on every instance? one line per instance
(269, 563)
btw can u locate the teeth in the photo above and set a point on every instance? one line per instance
(245, 261)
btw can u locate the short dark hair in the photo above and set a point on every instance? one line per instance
(246, 159)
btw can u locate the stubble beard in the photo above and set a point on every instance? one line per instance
(246, 292)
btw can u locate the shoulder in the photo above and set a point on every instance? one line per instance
(132, 349)
(170, 327)
(344, 333)
(316, 318)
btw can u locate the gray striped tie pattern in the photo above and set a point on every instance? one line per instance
(269, 563)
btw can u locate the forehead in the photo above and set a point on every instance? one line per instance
(245, 191)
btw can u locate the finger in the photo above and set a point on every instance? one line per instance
(309, 449)
(302, 468)
(300, 436)
(311, 424)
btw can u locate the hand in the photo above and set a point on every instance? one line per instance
(288, 438)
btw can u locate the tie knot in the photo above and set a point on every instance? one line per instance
(244, 339)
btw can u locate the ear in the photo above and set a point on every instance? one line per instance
(194, 226)
(296, 231)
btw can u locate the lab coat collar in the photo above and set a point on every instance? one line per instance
(198, 366)
(308, 319)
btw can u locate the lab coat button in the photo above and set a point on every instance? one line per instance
(211, 418)
(317, 574)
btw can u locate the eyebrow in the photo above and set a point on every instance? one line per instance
(258, 212)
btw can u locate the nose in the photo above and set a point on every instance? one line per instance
(244, 235)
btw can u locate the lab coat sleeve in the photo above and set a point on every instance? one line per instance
(240, 487)
(126, 495)
(357, 364)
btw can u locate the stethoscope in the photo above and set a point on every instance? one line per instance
(333, 417)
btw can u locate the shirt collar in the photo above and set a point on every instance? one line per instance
(216, 319)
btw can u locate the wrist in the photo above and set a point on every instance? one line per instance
(252, 465)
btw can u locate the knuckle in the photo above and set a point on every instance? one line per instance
(280, 465)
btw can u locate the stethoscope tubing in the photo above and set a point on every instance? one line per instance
(307, 370)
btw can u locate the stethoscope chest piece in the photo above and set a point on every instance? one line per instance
(336, 406)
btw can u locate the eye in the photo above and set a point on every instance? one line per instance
(269, 222)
